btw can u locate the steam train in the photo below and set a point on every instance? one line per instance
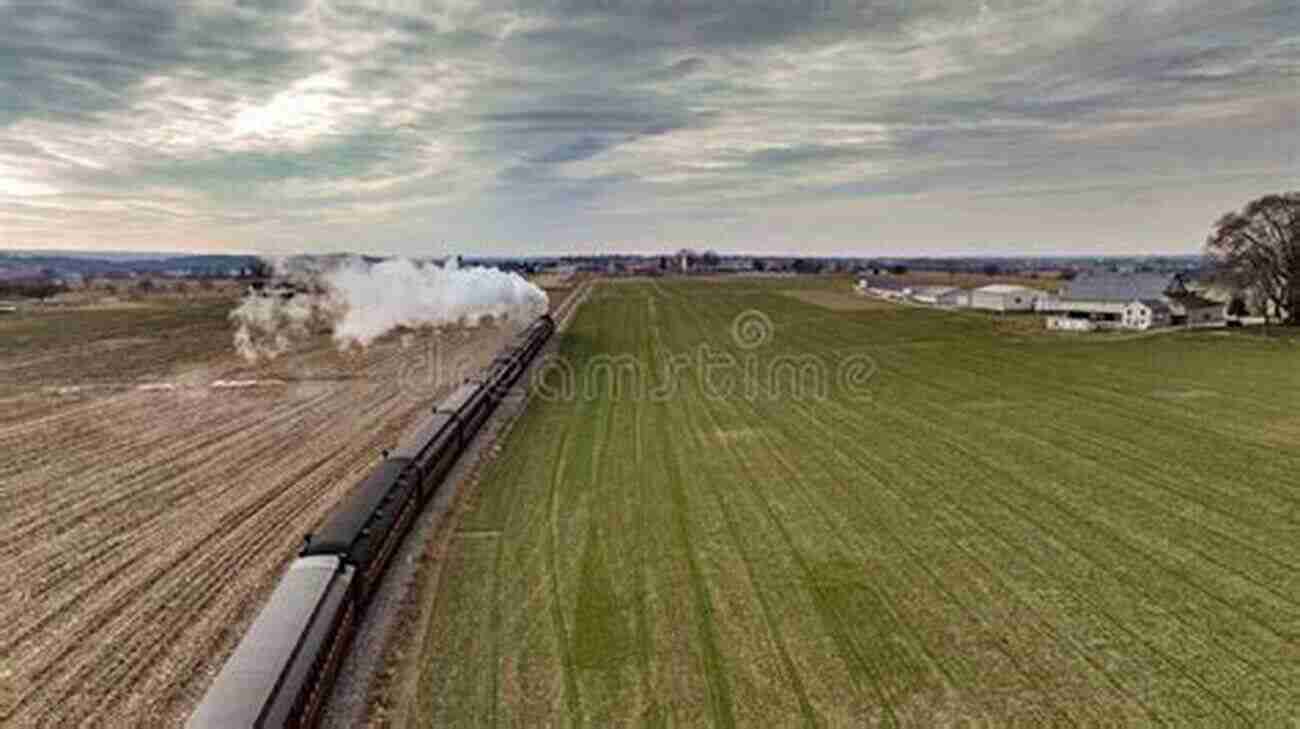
(281, 672)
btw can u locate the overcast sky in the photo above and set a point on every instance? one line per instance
(910, 127)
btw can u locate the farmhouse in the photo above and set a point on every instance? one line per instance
(1004, 297)
(1146, 313)
(1129, 301)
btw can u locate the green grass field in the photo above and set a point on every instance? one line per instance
(1000, 529)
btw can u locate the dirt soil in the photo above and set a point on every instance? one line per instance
(155, 486)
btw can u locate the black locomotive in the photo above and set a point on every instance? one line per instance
(281, 672)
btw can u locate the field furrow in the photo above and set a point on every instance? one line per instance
(142, 528)
(998, 528)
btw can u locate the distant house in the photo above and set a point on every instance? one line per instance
(1130, 301)
(1004, 297)
(1147, 314)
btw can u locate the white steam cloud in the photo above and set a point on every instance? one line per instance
(360, 301)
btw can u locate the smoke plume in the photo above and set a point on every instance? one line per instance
(358, 301)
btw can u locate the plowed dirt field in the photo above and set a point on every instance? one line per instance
(154, 485)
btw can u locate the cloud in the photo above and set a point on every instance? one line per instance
(68, 60)
(427, 125)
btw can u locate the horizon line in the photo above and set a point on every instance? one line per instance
(171, 253)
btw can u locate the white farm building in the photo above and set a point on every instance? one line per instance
(1004, 297)
(1129, 301)
(938, 295)
(883, 288)
(954, 297)
(1146, 314)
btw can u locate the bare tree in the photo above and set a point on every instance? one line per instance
(1237, 307)
(1258, 248)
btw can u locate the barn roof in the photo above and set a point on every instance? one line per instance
(1119, 287)
(934, 290)
(1194, 301)
(1006, 289)
(885, 284)
(1156, 305)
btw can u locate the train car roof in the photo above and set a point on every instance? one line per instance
(314, 642)
(459, 397)
(349, 518)
(248, 681)
(412, 444)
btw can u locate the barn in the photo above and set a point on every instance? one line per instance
(883, 288)
(932, 295)
(1132, 301)
(1194, 310)
(1004, 297)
